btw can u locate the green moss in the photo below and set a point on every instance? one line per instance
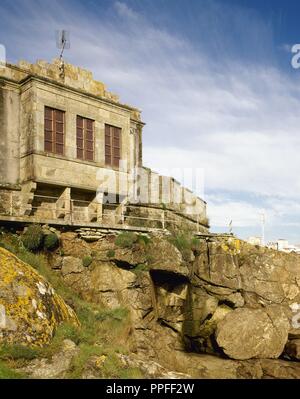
(86, 261)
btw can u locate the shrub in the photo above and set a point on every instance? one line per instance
(143, 239)
(185, 243)
(51, 241)
(110, 253)
(126, 239)
(33, 238)
(86, 261)
(195, 244)
(16, 351)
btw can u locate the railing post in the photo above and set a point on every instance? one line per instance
(122, 214)
(163, 219)
(11, 204)
(71, 211)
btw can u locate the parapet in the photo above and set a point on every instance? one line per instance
(66, 74)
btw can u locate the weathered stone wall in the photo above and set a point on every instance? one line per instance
(25, 91)
(165, 192)
(9, 134)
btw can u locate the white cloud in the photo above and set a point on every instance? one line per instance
(238, 120)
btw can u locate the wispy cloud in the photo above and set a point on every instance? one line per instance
(235, 116)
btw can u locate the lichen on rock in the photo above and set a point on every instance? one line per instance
(30, 310)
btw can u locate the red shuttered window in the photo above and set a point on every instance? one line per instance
(54, 131)
(85, 138)
(112, 145)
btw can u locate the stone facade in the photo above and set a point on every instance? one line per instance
(36, 185)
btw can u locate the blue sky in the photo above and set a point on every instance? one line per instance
(214, 81)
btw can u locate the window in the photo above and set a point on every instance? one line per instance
(54, 131)
(85, 138)
(112, 145)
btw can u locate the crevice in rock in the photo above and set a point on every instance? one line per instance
(163, 277)
(147, 313)
(208, 259)
(163, 323)
(214, 284)
(226, 302)
(122, 264)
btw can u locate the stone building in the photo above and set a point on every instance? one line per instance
(71, 153)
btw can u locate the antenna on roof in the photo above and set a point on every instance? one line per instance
(63, 43)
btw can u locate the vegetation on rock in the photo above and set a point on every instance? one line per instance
(102, 334)
(33, 237)
(86, 261)
(51, 241)
(126, 239)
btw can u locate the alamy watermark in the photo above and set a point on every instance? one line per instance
(295, 61)
(141, 185)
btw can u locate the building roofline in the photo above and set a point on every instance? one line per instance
(32, 76)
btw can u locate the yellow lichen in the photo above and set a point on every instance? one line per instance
(35, 321)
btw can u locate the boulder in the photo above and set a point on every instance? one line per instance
(165, 256)
(269, 276)
(217, 263)
(159, 254)
(30, 310)
(53, 368)
(253, 333)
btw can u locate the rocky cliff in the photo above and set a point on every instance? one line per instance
(216, 296)
(211, 307)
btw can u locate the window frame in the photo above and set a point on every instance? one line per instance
(55, 133)
(84, 138)
(112, 147)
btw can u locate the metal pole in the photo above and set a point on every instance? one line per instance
(263, 229)
(163, 219)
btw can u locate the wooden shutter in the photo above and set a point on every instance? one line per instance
(116, 149)
(59, 131)
(108, 135)
(85, 138)
(89, 140)
(54, 130)
(48, 135)
(112, 145)
(80, 138)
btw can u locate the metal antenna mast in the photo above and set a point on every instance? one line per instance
(63, 43)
